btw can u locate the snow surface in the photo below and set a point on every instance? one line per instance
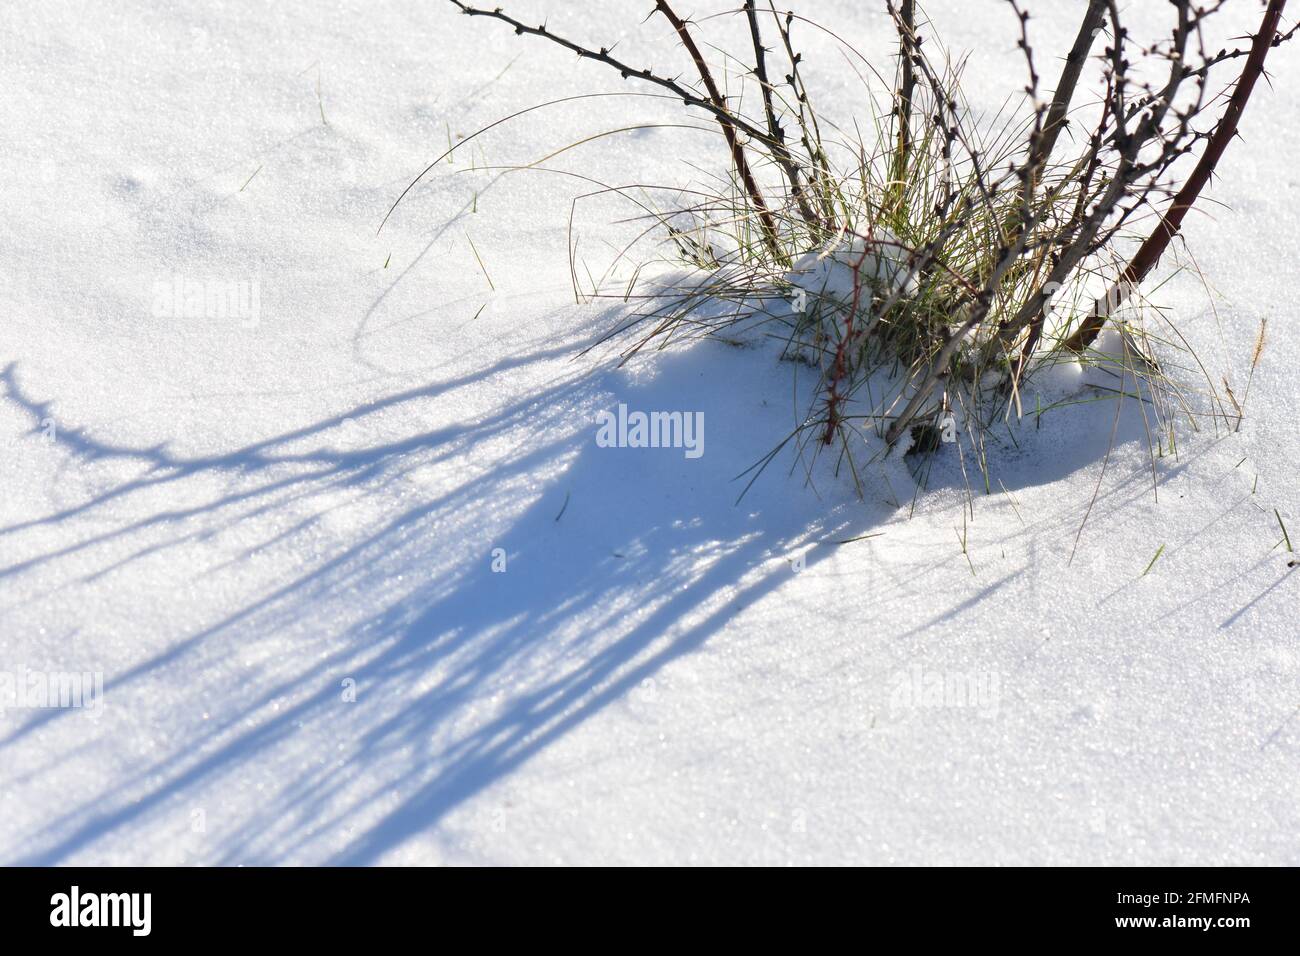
(239, 520)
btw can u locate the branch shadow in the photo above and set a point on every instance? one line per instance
(616, 562)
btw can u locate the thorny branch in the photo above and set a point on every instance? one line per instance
(1052, 218)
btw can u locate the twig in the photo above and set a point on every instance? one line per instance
(1151, 250)
(1065, 86)
(731, 123)
(726, 119)
(777, 134)
(903, 98)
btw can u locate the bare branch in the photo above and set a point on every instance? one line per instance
(1151, 250)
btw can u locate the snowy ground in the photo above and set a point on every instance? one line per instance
(245, 523)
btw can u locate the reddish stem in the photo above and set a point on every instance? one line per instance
(1151, 250)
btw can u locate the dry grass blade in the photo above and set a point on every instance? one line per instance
(930, 255)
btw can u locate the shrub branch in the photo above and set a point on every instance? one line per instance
(1150, 251)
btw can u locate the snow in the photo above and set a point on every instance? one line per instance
(274, 534)
(828, 272)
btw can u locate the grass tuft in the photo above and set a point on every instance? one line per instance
(925, 259)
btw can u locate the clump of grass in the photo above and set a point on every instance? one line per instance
(929, 265)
